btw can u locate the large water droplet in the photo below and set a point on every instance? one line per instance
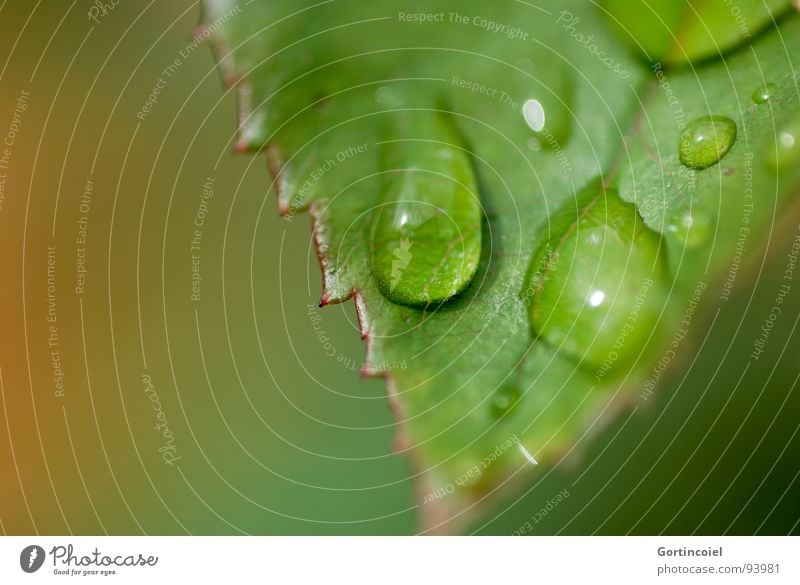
(426, 236)
(706, 140)
(764, 93)
(785, 152)
(595, 286)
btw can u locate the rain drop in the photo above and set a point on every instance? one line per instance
(545, 111)
(594, 287)
(785, 151)
(505, 399)
(691, 228)
(533, 112)
(764, 93)
(706, 140)
(426, 234)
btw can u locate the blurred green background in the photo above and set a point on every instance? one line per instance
(232, 404)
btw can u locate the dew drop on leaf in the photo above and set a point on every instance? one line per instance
(504, 399)
(785, 152)
(706, 140)
(764, 93)
(387, 98)
(534, 145)
(547, 114)
(426, 233)
(595, 286)
(691, 228)
(533, 112)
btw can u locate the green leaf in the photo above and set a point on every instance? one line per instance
(679, 31)
(529, 104)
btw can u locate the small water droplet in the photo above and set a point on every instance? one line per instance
(595, 286)
(785, 151)
(706, 140)
(764, 93)
(426, 235)
(691, 228)
(525, 64)
(546, 109)
(504, 399)
(385, 96)
(533, 112)
(596, 298)
(534, 145)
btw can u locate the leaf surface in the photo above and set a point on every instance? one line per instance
(545, 99)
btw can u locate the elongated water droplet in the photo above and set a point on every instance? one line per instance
(426, 236)
(706, 140)
(764, 93)
(595, 286)
(785, 152)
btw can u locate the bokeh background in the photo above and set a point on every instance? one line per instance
(137, 398)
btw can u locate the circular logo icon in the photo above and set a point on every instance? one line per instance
(31, 558)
